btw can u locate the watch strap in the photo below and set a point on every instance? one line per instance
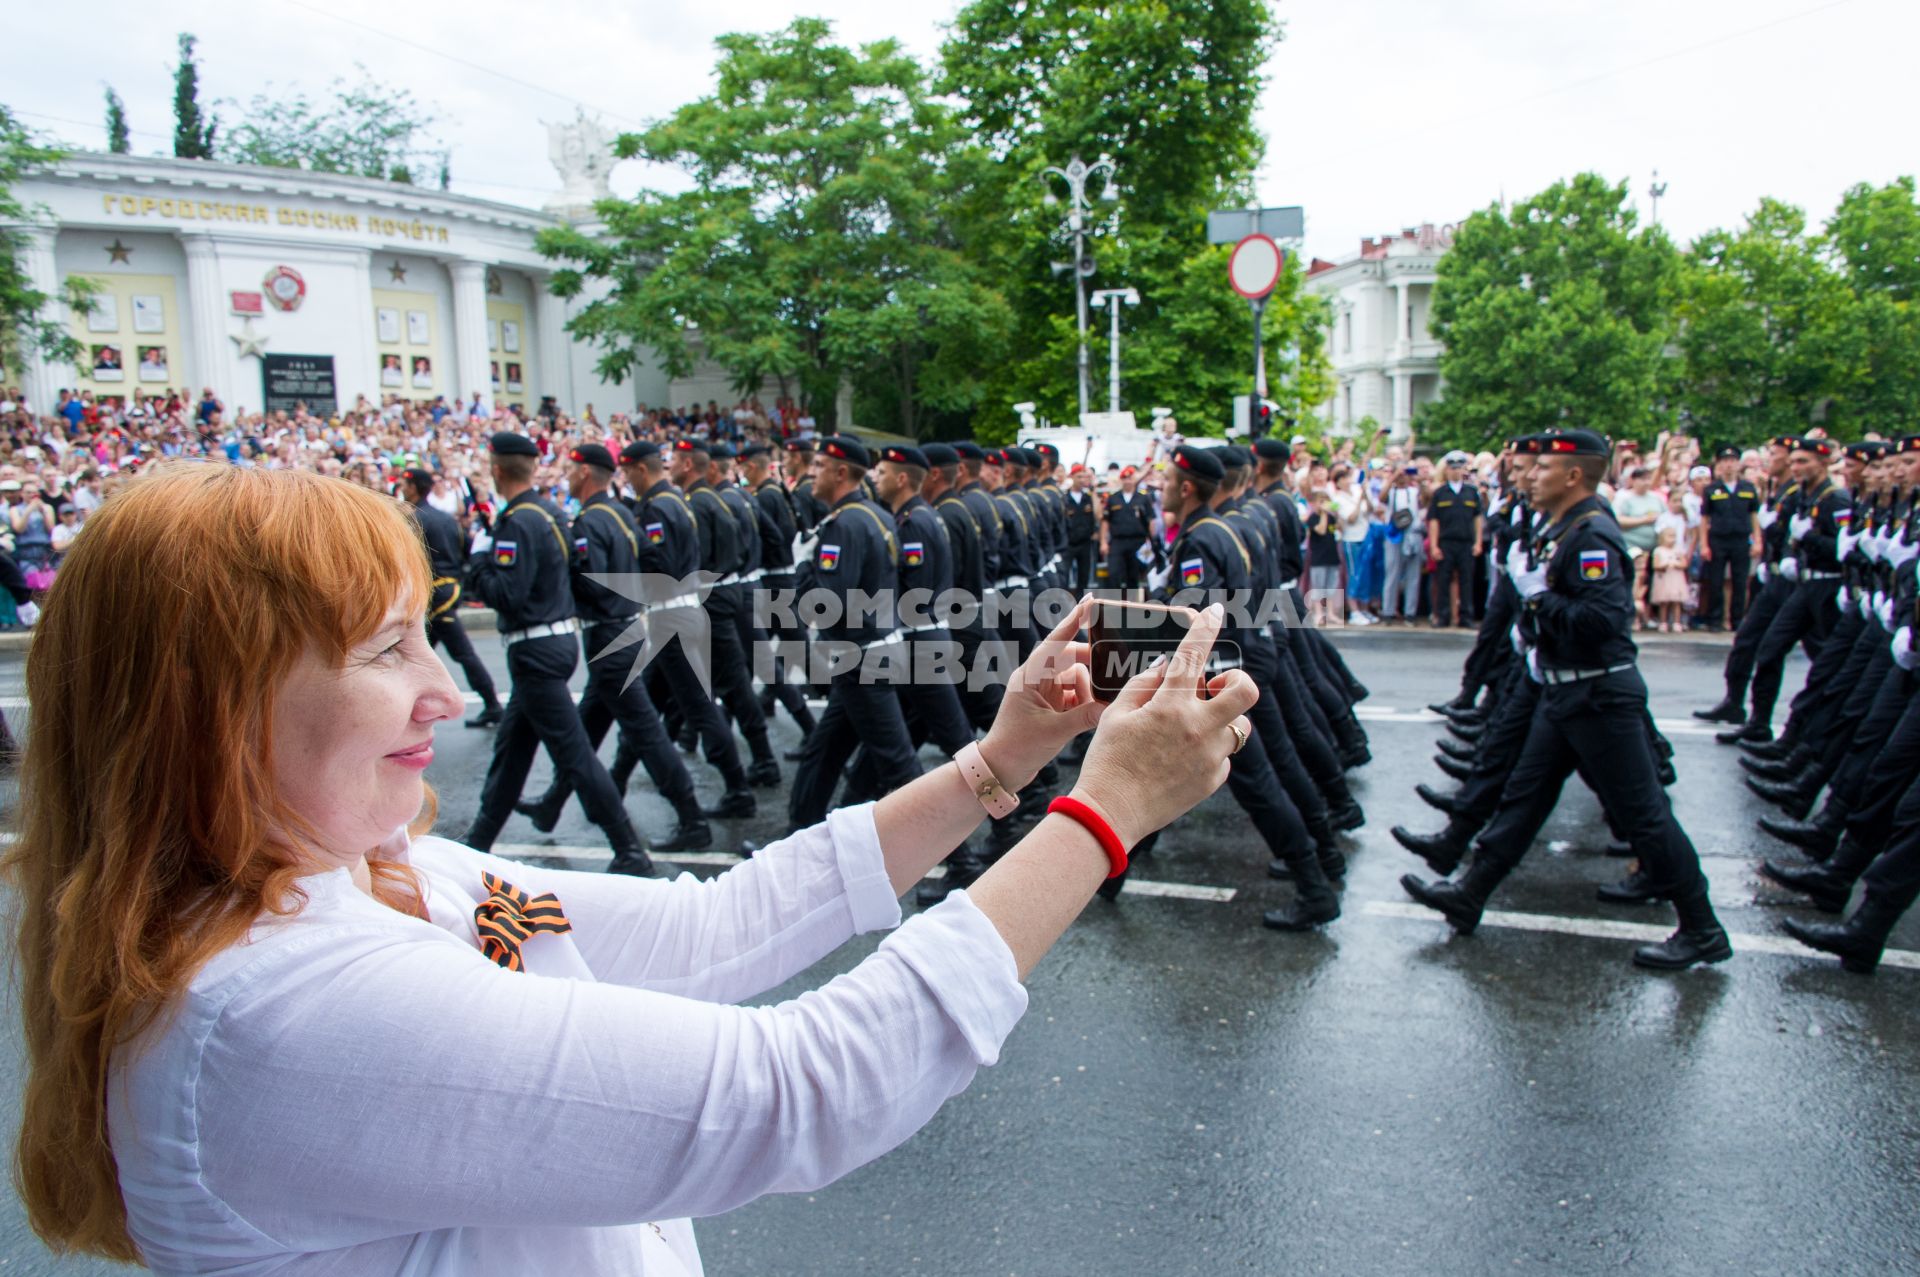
(999, 801)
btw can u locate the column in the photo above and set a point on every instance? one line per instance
(553, 375)
(470, 331)
(1400, 312)
(41, 378)
(1402, 405)
(207, 324)
(360, 374)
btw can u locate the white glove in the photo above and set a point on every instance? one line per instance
(1901, 552)
(1845, 599)
(1864, 606)
(1798, 526)
(28, 612)
(1765, 574)
(482, 542)
(1848, 540)
(1157, 578)
(1767, 518)
(1903, 647)
(1531, 582)
(1519, 640)
(1533, 666)
(1883, 608)
(1790, 568)
(804, 544)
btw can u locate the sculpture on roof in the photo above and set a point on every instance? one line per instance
(582, 153)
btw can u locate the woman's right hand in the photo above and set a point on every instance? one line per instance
(1163, 745)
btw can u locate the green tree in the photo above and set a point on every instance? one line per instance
(1556, 313)
(820, 240)
(1873, 243)
(25, 325)
(366, 128)
(192, 133)
(1767, 330)
(118, 143)
(1167, 87)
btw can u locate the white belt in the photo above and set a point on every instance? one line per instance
(895, 637)
(741, 578)
(1818, 576)
(1010, 583)
(1053, 565)
(678, 600)
(569, 626)
(1290, 585)
(922, 629)
(1581, 676)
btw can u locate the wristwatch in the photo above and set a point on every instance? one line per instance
(999, 801)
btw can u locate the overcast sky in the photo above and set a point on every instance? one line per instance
(1379, 114)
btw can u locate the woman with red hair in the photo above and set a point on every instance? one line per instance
(273, 1026)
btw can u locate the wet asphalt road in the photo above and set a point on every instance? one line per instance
(1192, 1094)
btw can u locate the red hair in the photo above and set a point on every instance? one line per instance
(151, 837)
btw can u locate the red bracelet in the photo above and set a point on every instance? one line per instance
(1097, 825)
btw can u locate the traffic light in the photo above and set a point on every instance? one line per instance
(1262, 420)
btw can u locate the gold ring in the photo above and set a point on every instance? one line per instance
(1239, 737)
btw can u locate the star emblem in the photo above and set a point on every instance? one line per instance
(247, 342)
(118, 252)
(494, 287)
(670, 608)
(397, 273)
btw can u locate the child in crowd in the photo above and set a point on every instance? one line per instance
(1669, 594)
(1323, 558)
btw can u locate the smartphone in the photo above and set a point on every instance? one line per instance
(1126, 638)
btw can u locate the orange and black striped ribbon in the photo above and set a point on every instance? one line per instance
(509, 915)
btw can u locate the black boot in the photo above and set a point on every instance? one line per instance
(1753, 730)
(543, 811)
(1346, 816)
(691, 832)
(763, 772)
(1314, 900)
(736, 803)
(1727, 711)
(1469, 732)
(1444, 803)
(1463, 701)
(1460, 902)
(1790, 797)
(489, 716)
(1634, 889)
(1778, 768)
(1817, 837)
(629, 853)
(1459, 751)
(964, 867)
(1769, 750)
(1828, 890)
(1860, 940)
(1472, 715)
(1443, 851)
(1700, 938)
(1453, 767)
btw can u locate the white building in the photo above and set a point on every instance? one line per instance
(258, 280)
(1385, 361)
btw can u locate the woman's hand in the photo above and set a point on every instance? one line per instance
(1048, 702)
(1163, 744)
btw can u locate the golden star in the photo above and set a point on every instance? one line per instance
(397, 273)
(118, 252)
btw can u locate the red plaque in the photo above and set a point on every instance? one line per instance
(248, 303)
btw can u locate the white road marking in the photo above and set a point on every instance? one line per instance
(1608, 929)
(722, 859)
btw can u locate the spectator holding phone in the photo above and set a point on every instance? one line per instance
(1406, 547)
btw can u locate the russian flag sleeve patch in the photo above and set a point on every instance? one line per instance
(1593, 565)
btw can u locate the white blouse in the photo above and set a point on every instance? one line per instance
(356, 1091)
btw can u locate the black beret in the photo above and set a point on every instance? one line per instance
(846, 448)
(508, 444)
(1529, 445)
(968, 450)
(1046, 450)
(1868, 449)
(755, 450)
(1271, 449)
(1907, 443)
(591, 454)
(1788, 442)
(720, 450)
(1518, 443)
(993, 456)
(939, 454)
(1813, 443)
(1724, 451)
(1233, 457)
(684, 444)
(800, 445)
(1199, 462)
(639, 450)
(1578, 443)
(904, 454)
(1029, 458)
(422, 479)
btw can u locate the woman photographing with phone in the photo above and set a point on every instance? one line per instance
(272, 1025)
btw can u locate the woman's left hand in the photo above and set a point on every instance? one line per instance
(1049, 701)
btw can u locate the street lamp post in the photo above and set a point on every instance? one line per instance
(1075, 174)
(1112, 299)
